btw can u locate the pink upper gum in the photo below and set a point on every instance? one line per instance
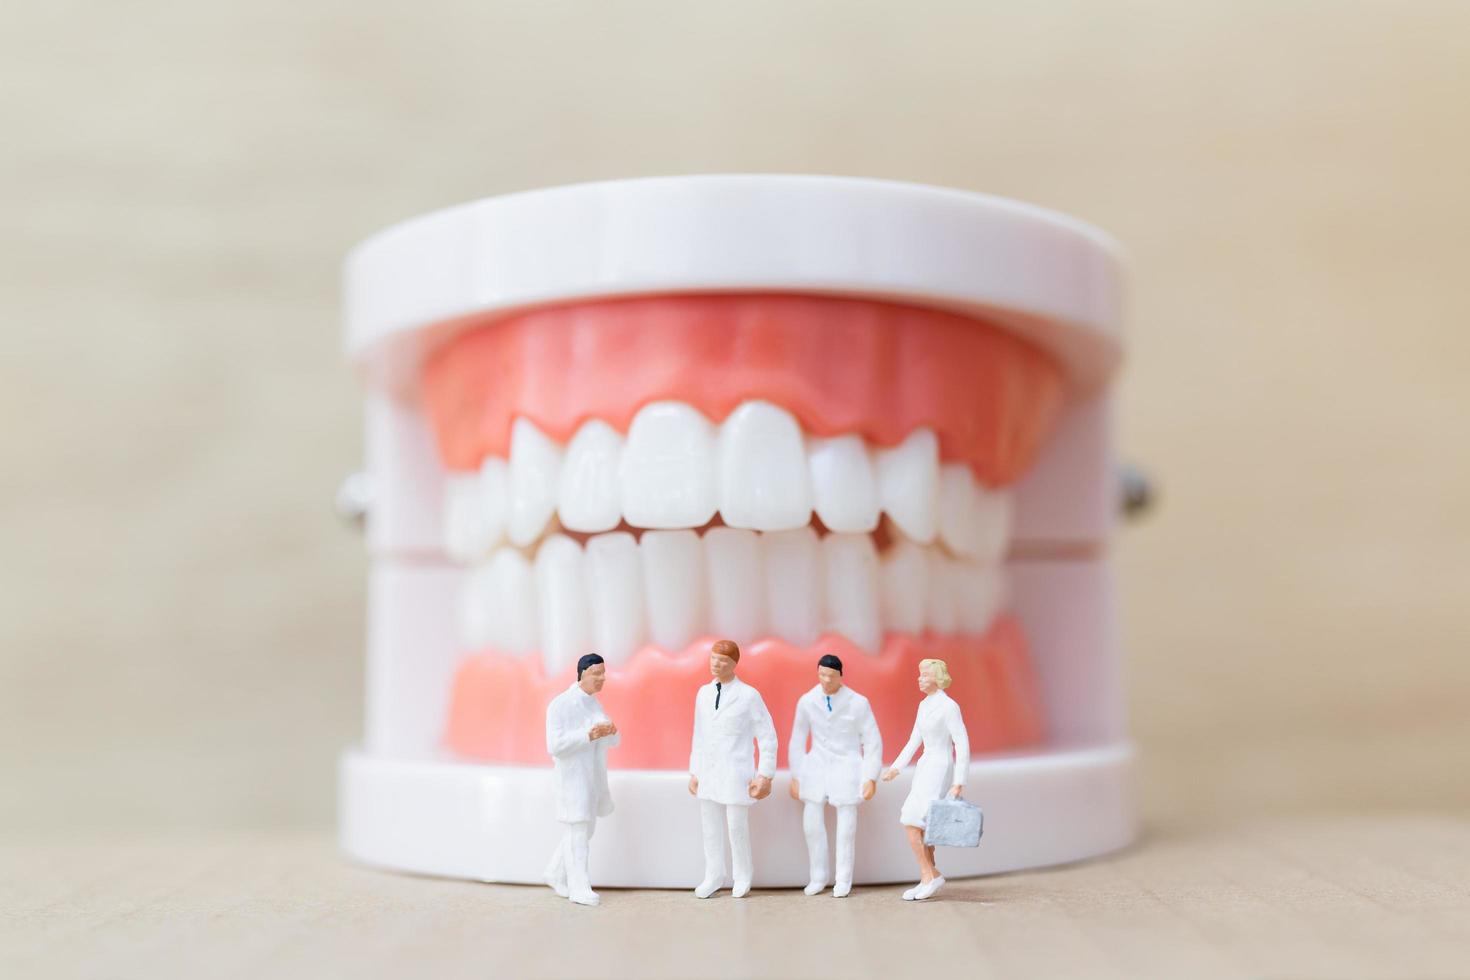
(839, 365)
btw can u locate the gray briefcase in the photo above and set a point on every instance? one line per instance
(953, 823)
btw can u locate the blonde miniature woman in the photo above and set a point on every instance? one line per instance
(942, 768)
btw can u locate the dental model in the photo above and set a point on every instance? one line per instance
(841, 769)
(942, 769)
(729, 717)
(578, 735)
(815, 416)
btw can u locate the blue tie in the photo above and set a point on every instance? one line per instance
(829, 702)
(717, 695)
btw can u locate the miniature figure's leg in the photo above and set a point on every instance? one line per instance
(814, 823)
(846, 844)
(921, 853)
(578, 836)
(556, 868)
(711, 818)
(738, 817)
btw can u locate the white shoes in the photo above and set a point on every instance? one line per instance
(558, 885)
(816, 887)
(841, 889)
(588, 897)
(708, 887)
(928, 888)
(924, 889)
(741, 889)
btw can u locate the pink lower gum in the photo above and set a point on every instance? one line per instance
(498, 703)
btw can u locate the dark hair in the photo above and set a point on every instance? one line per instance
(830, 661)
(591, 660)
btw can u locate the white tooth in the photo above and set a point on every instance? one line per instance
(763, 471)
(994, 510)
(561, 592)
(908, 484)
(905, 574)
(736, 593)
(673, 584)
(475, 609)
(465, 537)
(494, 499)
(535, 464)
(794, 593)
(615, 592)
(851, 575)
(668, 468)
(958, 502)
(591, 496)
(514, 628)
(844, 488)
(982, 592)
(940, 614)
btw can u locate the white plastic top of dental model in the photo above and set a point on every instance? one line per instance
(1041, 274)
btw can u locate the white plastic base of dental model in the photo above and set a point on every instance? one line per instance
(496, 823)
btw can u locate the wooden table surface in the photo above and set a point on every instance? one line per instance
(1369, 896)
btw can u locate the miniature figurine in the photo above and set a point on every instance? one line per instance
(941, 729)
(578, 735)
(723, 772)
(841, 769)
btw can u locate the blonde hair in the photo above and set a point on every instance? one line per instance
(937, 670)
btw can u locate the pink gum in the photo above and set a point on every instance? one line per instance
(839, 365)
(498, 703)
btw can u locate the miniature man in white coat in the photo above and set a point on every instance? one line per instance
(841, 769)
(578, 735)
(729, 717)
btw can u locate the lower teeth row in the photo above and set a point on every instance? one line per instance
(667, 588)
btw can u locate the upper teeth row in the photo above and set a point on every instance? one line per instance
(671, 587)
(675, 469)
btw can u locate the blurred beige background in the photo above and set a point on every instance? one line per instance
(181, 612)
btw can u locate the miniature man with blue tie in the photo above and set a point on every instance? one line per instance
(729, 718)
(841, 769)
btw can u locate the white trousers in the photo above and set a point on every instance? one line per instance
(814, 822)
(569, 860)
(716, 820)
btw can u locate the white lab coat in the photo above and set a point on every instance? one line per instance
(846, 750)
(581, 764)
(946, 759)
(723, 757)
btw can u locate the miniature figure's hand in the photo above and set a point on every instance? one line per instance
(869, 788)
(890, 775)
(760, 787)
(600, 730)
(796, 789)
(956, 791)
(693, 785)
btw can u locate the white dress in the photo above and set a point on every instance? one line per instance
(946, 758)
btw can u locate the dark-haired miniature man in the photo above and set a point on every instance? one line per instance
(578, 735)
(841, 769)
(729, 718)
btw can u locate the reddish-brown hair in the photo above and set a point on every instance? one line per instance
(726, 648)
